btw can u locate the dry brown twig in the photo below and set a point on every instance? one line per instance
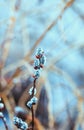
(68, 4)
(48, 28)
(73, 86)
(9, 31)
(64, 53)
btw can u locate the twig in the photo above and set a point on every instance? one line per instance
(77, 11)
(65, 52)
(17, 5)
(68, 4)
(9, 31)
(38, 65)
(32, 110)
(5, 124)
(73, 86)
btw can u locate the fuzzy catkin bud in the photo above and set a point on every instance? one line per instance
(39, 53)
(31, 91)
(24, 126)
(34, 100)
(29, 104)
(36, 64)
(1, 106)
(37, 74)
(42, 60)
(1, 115)
(20, 124)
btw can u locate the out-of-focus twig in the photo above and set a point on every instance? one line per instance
(8, 106)
(9, 31)
(68, 4)
(65, 52)
(78, 12)
(73, 86)
(17, 4)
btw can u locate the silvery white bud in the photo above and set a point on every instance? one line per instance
(34, 100)
(42, 60)
(31, 91)
(1, 106)
(29, 104)
(1, 115)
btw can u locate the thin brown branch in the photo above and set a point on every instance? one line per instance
(68, 4)
(32, 109)
(73, 86)
(9, 31)
(78, 12)
(65, 52)
(17, 5)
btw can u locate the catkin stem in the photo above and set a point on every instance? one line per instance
(32, 109)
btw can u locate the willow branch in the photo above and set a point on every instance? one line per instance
(68, 4)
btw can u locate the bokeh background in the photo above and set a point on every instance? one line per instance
(57, 26)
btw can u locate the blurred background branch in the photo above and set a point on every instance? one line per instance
(57, 27)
